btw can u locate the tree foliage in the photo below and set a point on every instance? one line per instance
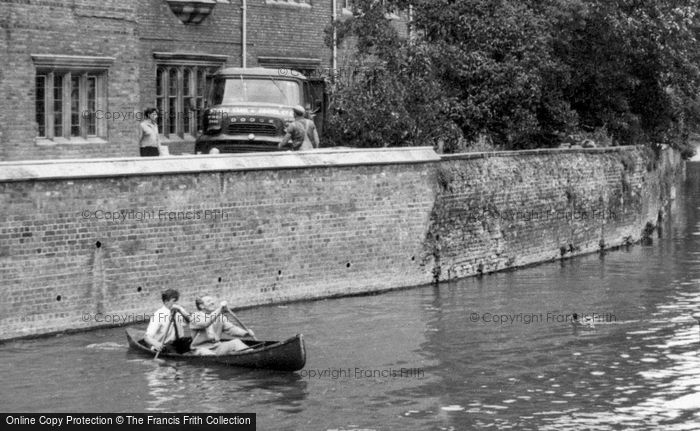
(634, 66)
(525, 73)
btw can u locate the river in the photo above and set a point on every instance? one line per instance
(493, 352)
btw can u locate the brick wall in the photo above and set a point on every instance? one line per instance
(288, 233)
(284, 31)
(275, 28)
(78, 27)
(503, 210)
(159, 30)
(295, 226)
(4, 53)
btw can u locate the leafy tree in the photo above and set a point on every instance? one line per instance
(524, 73)
(634, 66)
(494, 56)
(392, 96)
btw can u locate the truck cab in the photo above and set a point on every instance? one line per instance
(248, 109)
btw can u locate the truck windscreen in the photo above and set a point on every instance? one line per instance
(252, 90)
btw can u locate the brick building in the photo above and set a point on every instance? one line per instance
(63, 59)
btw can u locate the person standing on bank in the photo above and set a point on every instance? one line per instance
(301, 132)
(149, 141)
(208, 324)
(160, 333)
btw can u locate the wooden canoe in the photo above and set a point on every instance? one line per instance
(288, 355)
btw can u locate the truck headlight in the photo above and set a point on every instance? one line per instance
(214, 119)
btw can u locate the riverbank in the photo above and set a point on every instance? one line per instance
(88, 241)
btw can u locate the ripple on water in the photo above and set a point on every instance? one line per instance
(106, 346)
(494, 406)
(452, 408)
(686, 402)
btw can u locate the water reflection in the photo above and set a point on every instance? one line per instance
(165, 386)
(179, 386)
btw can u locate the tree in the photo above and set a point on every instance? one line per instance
(524, 73)
(494, 56)
(634, 66)
(389, 94)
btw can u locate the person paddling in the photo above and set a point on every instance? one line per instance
(163, 330)
(209, 323)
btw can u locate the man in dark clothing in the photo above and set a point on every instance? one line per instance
(301, 133)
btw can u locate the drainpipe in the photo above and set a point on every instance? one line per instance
(244, 52)
(334, 63)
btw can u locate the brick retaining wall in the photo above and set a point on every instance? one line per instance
(266, 228)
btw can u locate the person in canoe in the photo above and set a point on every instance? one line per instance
(162, 329)
(208, 323)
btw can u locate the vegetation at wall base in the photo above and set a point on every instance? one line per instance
(517, 74)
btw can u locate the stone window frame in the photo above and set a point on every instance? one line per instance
(303, 4)
(346, 7)
(183, 124)
(308, 66)
(90, 117)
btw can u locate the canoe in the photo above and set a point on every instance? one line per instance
(288, 355)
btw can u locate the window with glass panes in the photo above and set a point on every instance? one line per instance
(66, 104)
(180, 98)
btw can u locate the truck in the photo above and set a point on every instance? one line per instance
(248, 109)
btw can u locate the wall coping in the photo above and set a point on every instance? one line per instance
(537, 152)
(187, 164)
(184, 164)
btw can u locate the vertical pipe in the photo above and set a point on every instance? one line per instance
(334, 17)
(244, 51)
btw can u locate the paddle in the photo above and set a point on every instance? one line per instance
(239, 322)
(162, 341)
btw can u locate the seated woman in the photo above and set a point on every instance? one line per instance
(208, 323)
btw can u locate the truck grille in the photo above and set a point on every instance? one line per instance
(256, 128)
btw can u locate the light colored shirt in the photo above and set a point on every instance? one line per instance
(207, 336)
(160, 322)
(148, 134)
